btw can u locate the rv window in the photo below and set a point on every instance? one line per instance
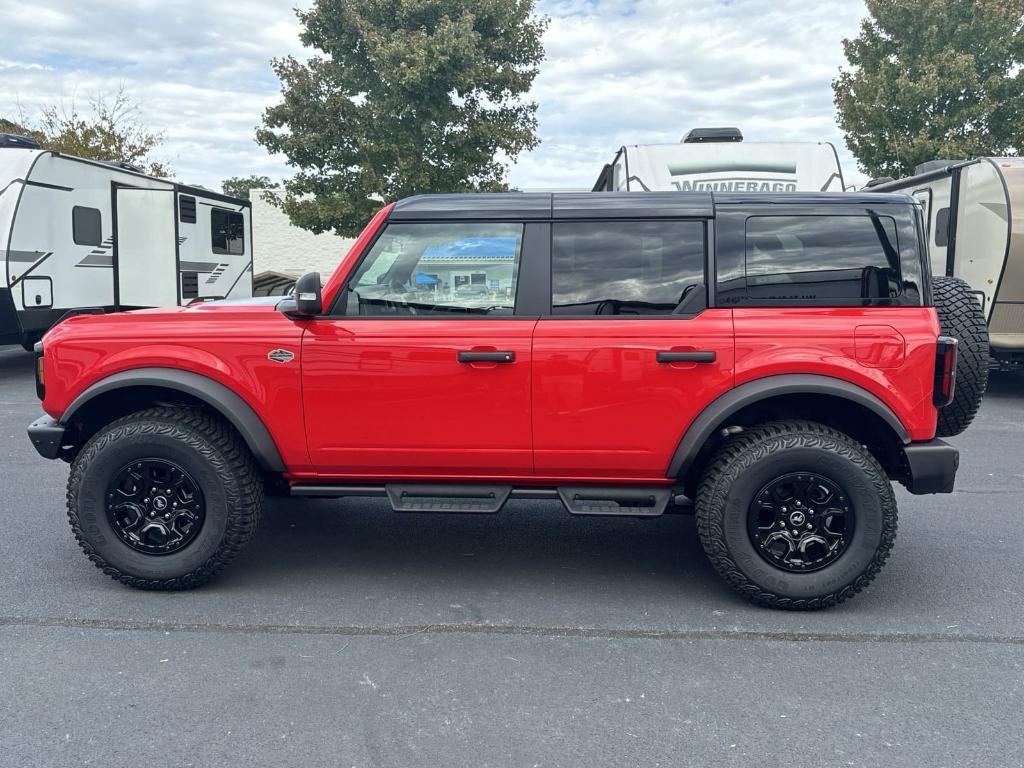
(942, 227)
(187, 209)
(228, 232)
(86, 226)
(625, 268)
(818, 260)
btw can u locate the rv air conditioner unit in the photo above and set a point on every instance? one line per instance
(21, 142)
(707, 135)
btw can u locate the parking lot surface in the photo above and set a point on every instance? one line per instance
(351, 635)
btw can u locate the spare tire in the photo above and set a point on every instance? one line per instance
(961, 317)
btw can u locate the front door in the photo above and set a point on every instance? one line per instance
(422, 367)
(145, 248)
(629, 355)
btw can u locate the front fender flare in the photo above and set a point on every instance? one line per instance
(772, 386)
(224, 401)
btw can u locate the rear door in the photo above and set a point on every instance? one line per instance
(145, 248)
(628, 354)
(423, 367)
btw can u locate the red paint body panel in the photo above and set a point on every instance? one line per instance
(225, 342)
(823, 341)
(388, 396)
(602, 404)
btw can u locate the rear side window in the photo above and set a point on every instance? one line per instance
(227, 232)
(625, 267)
(815, 260)
(942, 227)
(86, 226)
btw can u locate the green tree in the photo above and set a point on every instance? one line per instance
(109, 130)
(242, 186)
(406, 96)
(933, 79)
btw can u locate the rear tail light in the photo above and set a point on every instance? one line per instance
(945, 371)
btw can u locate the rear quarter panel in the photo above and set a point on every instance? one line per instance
(861, 346)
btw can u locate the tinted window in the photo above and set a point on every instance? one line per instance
(820, 259)
(86, 226)
(625, 268)
(942, 227)
(227, 231)
(446, 269)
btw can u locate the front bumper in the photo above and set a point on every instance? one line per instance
(47, 435)
(931, 467)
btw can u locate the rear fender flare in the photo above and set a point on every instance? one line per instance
(734, 400)
(221, 399)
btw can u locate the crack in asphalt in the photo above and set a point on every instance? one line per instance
(399, 631)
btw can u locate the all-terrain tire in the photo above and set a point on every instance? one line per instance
(750, 460)
(961, 317)
(211, 452)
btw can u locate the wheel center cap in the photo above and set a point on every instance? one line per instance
(797, 518)
(159, 503)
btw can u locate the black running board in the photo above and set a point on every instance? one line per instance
(488, 499)
(632, 502)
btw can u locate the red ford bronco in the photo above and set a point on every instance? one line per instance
(771, 361)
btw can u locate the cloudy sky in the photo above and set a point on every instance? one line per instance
(617, 72)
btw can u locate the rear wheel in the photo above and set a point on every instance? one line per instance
(796, 515)
(164, 498)
(961, 317)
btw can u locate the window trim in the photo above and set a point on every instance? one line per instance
(755, 303)
(74, 229)
(708, 228)
(227, 251)
(334, 311)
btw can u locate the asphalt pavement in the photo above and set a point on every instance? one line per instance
(349, 635)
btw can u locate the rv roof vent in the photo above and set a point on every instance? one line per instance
(702, 135)
(21, 142)
(933, 165)
(880, 180)
(123, 165)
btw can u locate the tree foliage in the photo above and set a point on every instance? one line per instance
(242, 186)
(932, 79)
(404, 96)
(109, 130)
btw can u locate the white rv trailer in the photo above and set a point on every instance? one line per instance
(975, 215)
(717, 159)
(77, 234)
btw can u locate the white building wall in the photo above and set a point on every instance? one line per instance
(280, 246)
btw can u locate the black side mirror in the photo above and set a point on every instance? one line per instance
(306, 299)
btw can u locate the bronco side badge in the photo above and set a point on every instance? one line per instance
(280, 356)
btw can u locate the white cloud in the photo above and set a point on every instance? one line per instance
(617, 72)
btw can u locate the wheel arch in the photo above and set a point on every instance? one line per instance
(141, 387)
(783, 396)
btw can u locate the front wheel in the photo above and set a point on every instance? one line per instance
(796, 515)
(164, 498)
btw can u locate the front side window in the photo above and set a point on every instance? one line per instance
(799, 260)
(625, 267)
(438, 269)
(227, 232)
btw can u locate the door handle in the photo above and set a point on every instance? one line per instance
(470, 356)
(686, 357)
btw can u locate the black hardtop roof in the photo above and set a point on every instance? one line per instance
(522, 206)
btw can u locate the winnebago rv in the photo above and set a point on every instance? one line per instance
(975, 215)
(718, 159)
(78, 234)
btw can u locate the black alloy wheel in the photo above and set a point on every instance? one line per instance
(801, 522)
(155, 507)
